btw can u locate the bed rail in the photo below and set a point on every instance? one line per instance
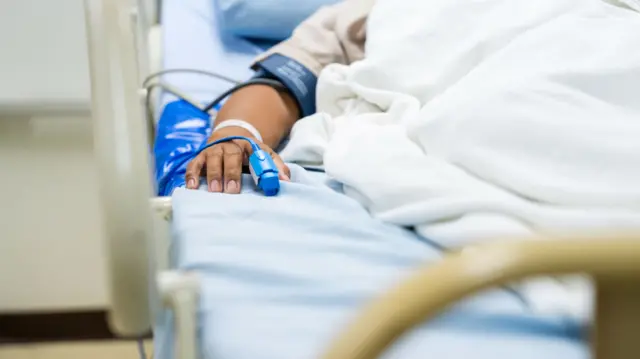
(151, 9)
(613, 264)
(121, 150)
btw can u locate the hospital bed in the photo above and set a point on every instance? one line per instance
(189, 318)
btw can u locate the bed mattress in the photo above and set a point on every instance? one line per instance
(282, 275)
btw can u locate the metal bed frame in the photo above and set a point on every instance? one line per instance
(124, 46)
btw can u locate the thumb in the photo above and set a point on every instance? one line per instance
(283, 170)
(284, 173)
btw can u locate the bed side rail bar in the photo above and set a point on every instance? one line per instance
(122, 156)
(153, 8)
(613, 264)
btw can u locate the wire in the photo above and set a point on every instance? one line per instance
(314, 169)
(189, 71)
(207, 109)
(149, 109)
(174, 91)
(142, 352)
(257, 81)
(151, 115)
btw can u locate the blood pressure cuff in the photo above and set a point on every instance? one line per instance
(181, 130)
(300, 82)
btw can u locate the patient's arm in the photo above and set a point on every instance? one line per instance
(334, 34)
(271, 112)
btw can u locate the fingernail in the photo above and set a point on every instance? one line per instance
(232, 187)
(215, 186)
(191, 183)
(285, 177)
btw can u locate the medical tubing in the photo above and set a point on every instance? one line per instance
(170, 173)
(172, 90)
(148, 86)
(275, 84)
(254, 145)
(142, 352)
(214, 75)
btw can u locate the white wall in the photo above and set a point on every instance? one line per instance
(43, 54)
(51, 243)
(51, 249)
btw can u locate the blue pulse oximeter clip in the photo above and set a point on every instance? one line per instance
(264, 172)
(261, 166)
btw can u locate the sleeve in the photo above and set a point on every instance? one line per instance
(334, 34)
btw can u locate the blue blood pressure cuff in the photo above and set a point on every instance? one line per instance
(299, 80)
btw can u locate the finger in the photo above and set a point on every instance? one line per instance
(214, 168)
(247, 150)
(194, 168)
(232, 163)
(283, 170)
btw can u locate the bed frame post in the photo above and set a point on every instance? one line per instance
(180, 291)
(122, 158)
(616, 333)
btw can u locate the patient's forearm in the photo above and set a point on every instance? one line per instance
(271, 112)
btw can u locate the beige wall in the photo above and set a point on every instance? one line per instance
(51, 254)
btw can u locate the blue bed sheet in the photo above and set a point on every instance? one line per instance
(282, 275)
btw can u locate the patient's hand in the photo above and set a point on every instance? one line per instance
(222, 163)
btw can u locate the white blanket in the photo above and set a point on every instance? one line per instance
(481, 119)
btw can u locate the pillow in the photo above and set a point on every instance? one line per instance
(265, 19)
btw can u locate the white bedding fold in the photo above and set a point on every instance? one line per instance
(518, 118)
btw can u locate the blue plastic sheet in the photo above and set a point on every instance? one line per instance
(181, 130)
